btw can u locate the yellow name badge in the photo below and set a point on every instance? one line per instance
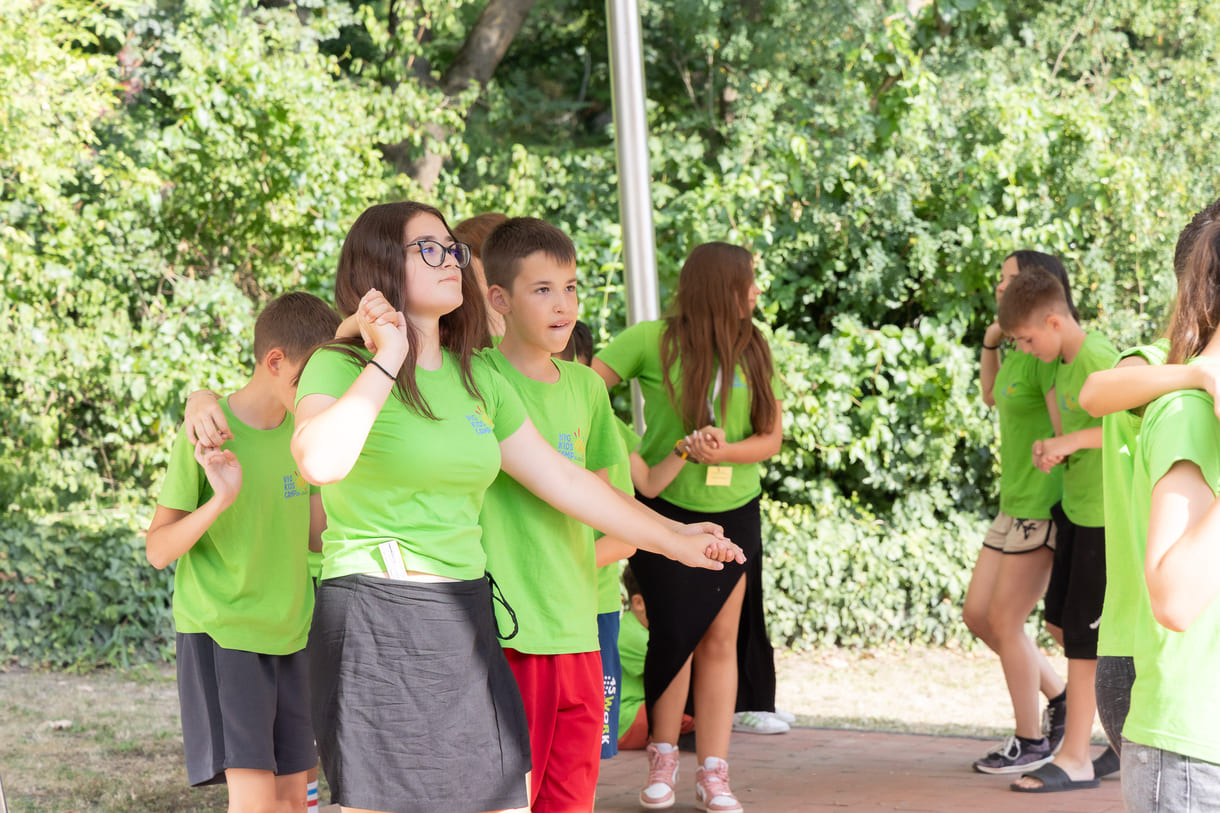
(719, 476)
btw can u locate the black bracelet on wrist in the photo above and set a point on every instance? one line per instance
(388, 374)
(990, 346)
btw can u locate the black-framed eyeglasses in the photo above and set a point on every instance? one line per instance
(434, 253)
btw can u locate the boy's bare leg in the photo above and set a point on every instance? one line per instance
(715, 679)
(1074, 757)
(290, 793)
(1020, 582)
(253, 791)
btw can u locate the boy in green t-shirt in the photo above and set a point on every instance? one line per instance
(238, 519)
(544, 562)
(1035, 313)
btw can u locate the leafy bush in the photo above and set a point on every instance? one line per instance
(837, 575)
(77, 592)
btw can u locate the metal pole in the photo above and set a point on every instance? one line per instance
(634, 179)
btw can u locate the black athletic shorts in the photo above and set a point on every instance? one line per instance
(1077, 587)
(242, 710)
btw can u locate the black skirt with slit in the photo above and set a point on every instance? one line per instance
(682, 601)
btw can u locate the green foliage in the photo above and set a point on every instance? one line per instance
(76, 592)
(164, 168)
(836, 575)
(879, 415)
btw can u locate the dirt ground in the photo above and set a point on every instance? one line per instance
(111, 741)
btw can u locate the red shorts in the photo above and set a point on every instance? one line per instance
(563, 696)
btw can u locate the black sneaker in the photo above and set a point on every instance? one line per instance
(1013, 757)
(1054, 721)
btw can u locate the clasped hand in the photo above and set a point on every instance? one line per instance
(707, 445)
(381, 326)
(1049, 453)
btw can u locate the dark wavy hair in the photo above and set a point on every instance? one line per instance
(1190, 234)
(1196, 313)
(709, 320)
(374, 255)
(1028, 258)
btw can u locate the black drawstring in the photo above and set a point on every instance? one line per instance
(498, 595)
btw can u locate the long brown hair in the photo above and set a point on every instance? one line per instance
(1196, 314)
(374, 256)
(709, 321)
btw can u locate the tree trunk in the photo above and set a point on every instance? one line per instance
(485, 46)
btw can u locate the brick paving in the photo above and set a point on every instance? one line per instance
(817, 770)
(812, 769)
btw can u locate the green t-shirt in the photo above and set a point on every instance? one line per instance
(608, 598)
(417, 481)
(1083, 501)
(542, 559)
(246, 581)
(1174, 703)
(636, 353)
(632, 646)
(1124, 547)
(1021, 385)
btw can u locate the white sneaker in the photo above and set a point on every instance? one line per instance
(758, 722)
(787, 716)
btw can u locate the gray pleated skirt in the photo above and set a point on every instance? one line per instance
(414, 706)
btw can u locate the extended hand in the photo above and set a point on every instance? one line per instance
(696, 528)
(705, 551)
(1209, 375)
(1050, 453)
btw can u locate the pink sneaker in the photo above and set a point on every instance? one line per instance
(658, 794)
(712, 788)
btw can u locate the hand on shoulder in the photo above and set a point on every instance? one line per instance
(204, 420)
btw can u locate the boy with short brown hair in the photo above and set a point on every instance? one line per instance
(238, 520)
(1034, 311)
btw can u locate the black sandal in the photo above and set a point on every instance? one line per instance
(1106, 763)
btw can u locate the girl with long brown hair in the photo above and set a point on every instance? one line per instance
(706, 364)
(1014, 562)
